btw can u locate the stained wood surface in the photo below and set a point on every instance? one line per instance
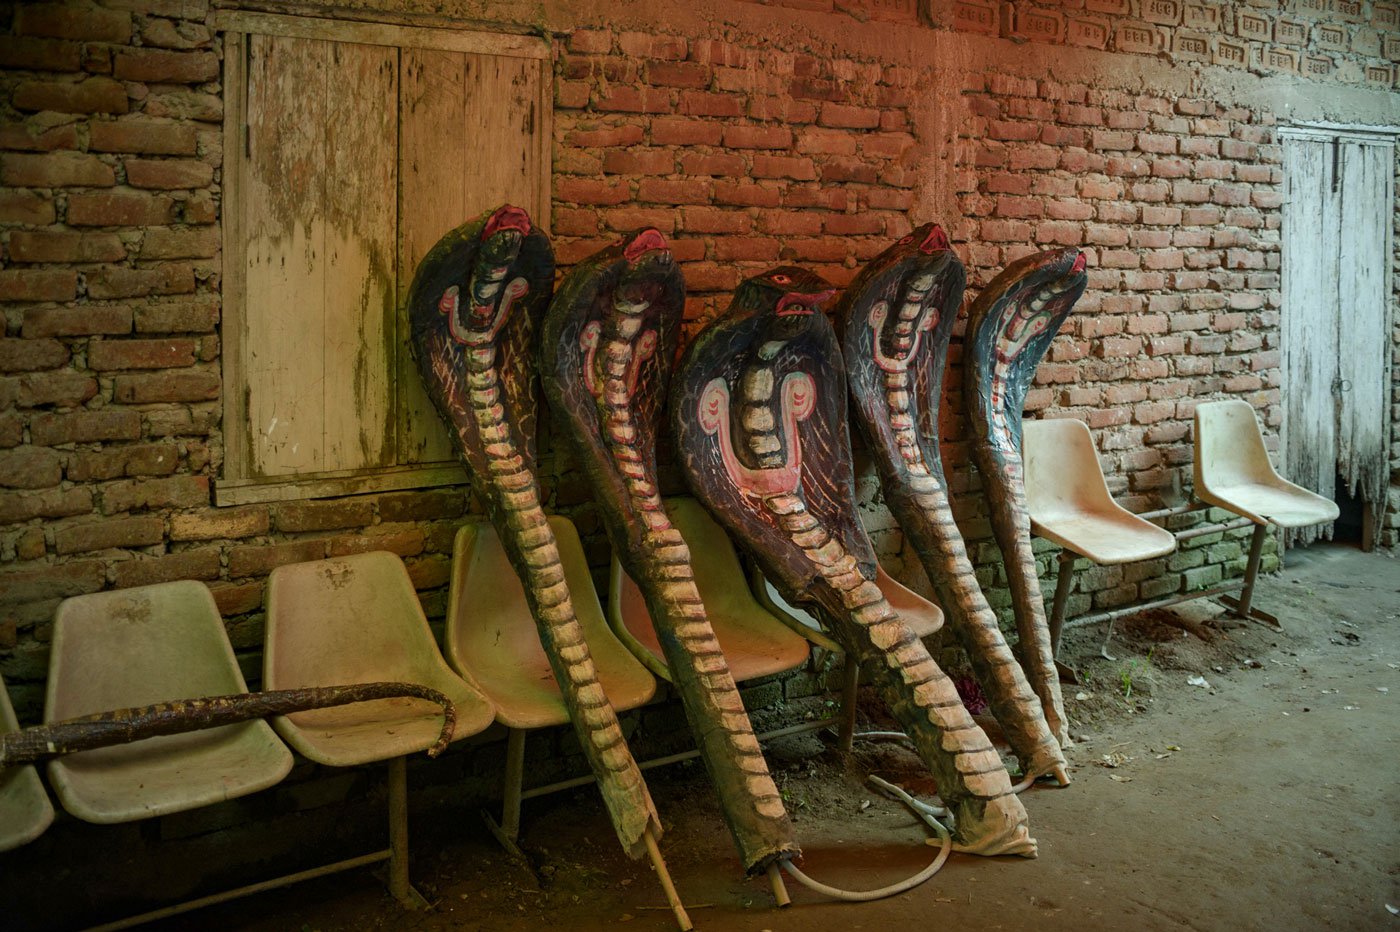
(348, 160)
(1336, 295)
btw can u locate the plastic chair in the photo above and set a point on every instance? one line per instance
(357, 619)
(491, 636)
(1069, 504)
(25, 810)
(921, 615)
(137, 647)
(1232, 471)
(755, 643)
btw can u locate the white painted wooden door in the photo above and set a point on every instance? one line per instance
(1338, 205)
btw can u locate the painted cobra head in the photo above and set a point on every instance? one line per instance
(1039, 290)
(786, 296)
(907, 291)
(501, 239)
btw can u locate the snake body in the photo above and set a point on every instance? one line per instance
(473, 306)
(760, 420)
(1010, 327)
(898, 315)
(607, 349)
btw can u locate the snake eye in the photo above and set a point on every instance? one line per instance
(782, 280)
(907, 240)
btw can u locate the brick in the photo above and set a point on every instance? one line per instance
(30, 468)
(687, 191)
(109, 282)
(238, 598)
(31, 54)
(704, 103)
(19, 355)
(56, 170)
(732, 166)
(91, 23)
(625, 99)
(108, 533)
(647, 45)
(628, 134)
(120, 209)
(38, 285)
(639, 161)
(116, 461)
(76, 321)
(321, 516)
(140, 354)
(782, 109)
(220, 523)
(177, 317)
(184, 104)
(173, 174)
(714, 220)
(778, 166)
(163, 33)
(138, 494)
(56, 581)
(757, 137)
(261, 560)
(65, 247)
(746, 195)
(407, 542)
(187, 564)
(26, 207)
(36, 135)
(678, 74)
(64, 389)
(142, 136)
(156, 65)
(94, 95)
(180, 244)
(191, 385)
(590, 191)
(842, 116)
(678, 132)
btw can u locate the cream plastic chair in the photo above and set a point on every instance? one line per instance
(1232, 471)
(1069, 504)
(491, 637)
(921, 615)
(137, 647)
(25, 810)
(755, 642)
(357, 619)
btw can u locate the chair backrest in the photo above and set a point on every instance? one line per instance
(25, 810)
(135, 647)
(1229, 446)
(718, 574)
(1063, 475)
(490, 629)
(352, 619)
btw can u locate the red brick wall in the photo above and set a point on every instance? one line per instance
(749, 135)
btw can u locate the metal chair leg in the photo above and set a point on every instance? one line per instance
(1064, 579)
(850, 680)
(399, 885)
(1251, 572)
(509, 828)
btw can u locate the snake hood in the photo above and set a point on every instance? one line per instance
(1013, 322)
(475, 300)
(767, 381)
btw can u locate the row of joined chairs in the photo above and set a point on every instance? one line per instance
(357, 619)
(1069, 503)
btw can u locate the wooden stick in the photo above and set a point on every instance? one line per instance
(667, 886)
(123, 726)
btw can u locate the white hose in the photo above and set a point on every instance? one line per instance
(923, 810)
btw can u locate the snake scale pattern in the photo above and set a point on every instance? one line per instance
(895, 363)
(607, 348)
(474, 305)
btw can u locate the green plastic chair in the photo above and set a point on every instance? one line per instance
(25, 810)
(137, 647)
(491, 636)
(755, 642)
(357, 619)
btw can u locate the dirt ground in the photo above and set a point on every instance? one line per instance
(1265, 798)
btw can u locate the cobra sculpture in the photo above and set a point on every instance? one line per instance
(474, 305)
(759, 416)
(896, 318)
(607, 351)
(1009, 328)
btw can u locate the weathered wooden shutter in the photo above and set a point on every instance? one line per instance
(352, 149)
(1336, 296)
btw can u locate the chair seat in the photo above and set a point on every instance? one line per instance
(1106, 537)
(136, 647)
(921, 615)
(172, 773)
(25, 810)
(755, 642)
(351, 620)
(491, 633)
(1285, 505)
